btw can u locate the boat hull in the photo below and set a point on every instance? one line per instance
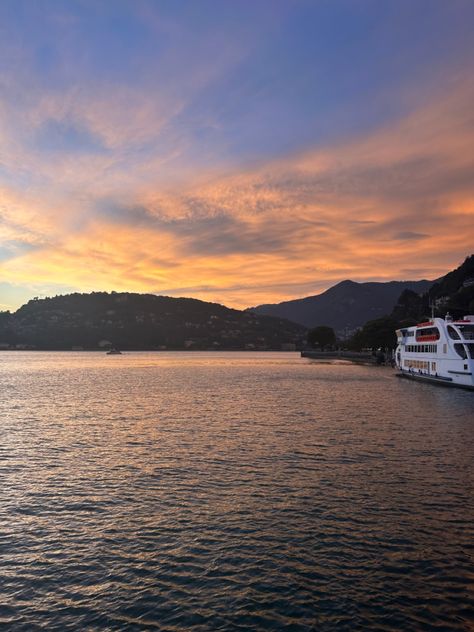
(431, 379)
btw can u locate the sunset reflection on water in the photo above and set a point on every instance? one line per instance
(231, 491)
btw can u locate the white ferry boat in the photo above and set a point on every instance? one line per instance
(439, 351)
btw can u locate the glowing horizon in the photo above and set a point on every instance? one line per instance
(242, 154)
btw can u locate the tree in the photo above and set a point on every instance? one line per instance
(375, 334)
(409, 305)
(322, 337)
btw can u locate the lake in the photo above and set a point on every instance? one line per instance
(231, 491)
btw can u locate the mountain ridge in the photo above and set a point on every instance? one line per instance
(141, 321)
(344, 306)
(453, 293)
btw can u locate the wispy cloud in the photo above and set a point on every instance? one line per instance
(409, 235)
(139, 185)
(289, 227)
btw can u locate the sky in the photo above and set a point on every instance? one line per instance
(236, 151)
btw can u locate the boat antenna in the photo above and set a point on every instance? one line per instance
(432, 305)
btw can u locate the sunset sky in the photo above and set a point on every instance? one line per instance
(238, 151)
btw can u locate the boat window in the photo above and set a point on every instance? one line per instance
(467, 331)
(459, 348)
(470, 348)
(453, 334)
(427, 333)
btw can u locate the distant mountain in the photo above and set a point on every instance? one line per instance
(453, 293)
(345, 306)
(141, 321)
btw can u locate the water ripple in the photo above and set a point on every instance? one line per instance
(195, 491)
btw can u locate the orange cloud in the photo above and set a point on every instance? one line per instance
(396, 204)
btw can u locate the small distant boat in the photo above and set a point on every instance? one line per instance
(114, 351)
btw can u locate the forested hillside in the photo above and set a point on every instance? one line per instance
(141, 321)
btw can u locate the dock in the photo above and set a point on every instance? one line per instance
(353, 356)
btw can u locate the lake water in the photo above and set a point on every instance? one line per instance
(231, 491)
